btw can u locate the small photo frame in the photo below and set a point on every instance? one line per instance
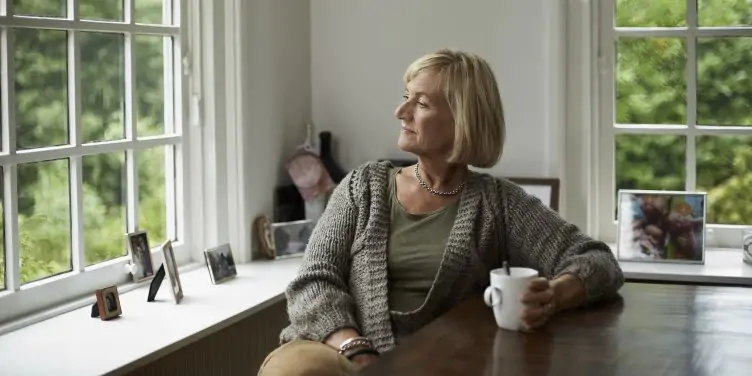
(661, 226)
(220, 263)
(138, 247)
(171, 268)
(108, 303)
(291, 238)
(545, 189)
(747, 245)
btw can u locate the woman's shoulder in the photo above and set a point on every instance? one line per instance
(496, 184)
(368, 176)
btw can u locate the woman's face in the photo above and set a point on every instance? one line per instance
(427, 121)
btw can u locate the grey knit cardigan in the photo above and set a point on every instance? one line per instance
(342, 282)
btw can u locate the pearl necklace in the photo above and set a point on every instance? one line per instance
(433, 191)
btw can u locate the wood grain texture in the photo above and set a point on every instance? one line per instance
(649, 330)
(236, 350)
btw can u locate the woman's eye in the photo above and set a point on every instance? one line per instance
(405, 97)
(422, 105)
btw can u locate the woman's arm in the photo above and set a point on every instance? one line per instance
(318, 299)
(582, 269)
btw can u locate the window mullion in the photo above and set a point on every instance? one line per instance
(78, 259)
(691, 77)
(131, 129)
(605, 130)
(168, 12)
(129, 10)
(10, 176)
(169, 120)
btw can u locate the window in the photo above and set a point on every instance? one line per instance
(675, 106)
(92, 143)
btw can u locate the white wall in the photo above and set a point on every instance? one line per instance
(276, 95)
(360, 49)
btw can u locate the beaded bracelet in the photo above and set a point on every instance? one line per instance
(353, 343)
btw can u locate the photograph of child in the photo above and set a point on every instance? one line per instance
(659, 226)
(141, 256)
(221, 264)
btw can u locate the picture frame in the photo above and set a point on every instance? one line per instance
(171, 269)
(140, 253)
(220, 263)
(108, 303)
(747, 245)
(263, 235)
(290, 239)
(661, 226)
(545, 189)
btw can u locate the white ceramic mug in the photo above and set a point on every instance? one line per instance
(504, 295)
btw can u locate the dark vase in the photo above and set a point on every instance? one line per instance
(332, 167)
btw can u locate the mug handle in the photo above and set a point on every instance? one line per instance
(492, 296)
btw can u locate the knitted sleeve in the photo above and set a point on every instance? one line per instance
(318, 299)
(555, 247)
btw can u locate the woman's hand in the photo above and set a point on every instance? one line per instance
(540, 304)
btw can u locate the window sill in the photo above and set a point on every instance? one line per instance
(722, 266)
(76, 344)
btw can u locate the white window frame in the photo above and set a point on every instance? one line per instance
(19, 302)
(605, 128)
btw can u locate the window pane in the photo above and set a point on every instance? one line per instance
(44, 219)
(41, 88)
(103, 10)
(102, 86)
(152, 206)
(724, 13)
(724, 81)
(46, 8)
(104, 207)
(724, 171)
(650, 81)
(150, 84)
(651, 13)
(149, 11)
(650, 162)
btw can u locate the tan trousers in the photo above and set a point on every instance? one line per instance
(306, 358)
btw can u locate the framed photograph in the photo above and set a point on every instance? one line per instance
(108, 303)
(220, 263)
(545, 189)
(171, 268)
(138, 246)
(291, 238)
(661, 226)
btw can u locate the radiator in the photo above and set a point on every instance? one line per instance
(238, 349)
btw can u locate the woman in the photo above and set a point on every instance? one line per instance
(397, 248)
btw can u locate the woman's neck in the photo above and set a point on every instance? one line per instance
(441, 175)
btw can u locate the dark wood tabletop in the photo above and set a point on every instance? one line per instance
(650, 329)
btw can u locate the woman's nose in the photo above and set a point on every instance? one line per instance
(401, 112)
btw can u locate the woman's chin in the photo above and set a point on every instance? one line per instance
(405, 145)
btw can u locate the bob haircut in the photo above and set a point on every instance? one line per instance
(470, 89)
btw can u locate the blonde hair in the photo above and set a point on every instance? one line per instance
(470, 89)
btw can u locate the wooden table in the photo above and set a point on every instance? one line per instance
(649, 330)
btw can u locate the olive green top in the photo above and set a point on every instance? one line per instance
(415, 249)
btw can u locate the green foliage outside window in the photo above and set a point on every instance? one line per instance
(651, 88)
(41, 87)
